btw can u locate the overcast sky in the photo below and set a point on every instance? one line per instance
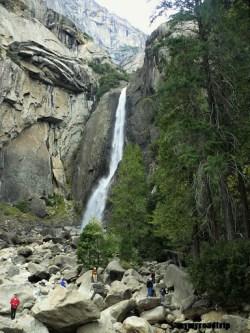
(137, 12)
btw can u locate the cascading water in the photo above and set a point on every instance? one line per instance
(97, 201)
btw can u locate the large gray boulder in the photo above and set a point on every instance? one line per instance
(22, 324)
(65, 310)
(153, 316)
(133, 280)
(65, 261)
(118, 292)
(38, 273)
(138, 325)
(183, 289)
(237, 324)
(25, 293)
(148, 303)
(109, 317)
(114, 271)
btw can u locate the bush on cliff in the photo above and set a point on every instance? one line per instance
(110, 77)
(223, 271)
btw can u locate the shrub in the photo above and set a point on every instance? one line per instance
(110, 77)
(223, 271)
(95, 246)
(23, 206)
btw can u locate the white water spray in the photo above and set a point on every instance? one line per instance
(97, 201)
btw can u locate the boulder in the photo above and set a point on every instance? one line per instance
(22, 324)
(64, 261)
(183, 289)
(197, 309)
(212, 316)
(53, 269)
(109, 317)
(118, 292)
(148, 303)
(38, 273)
(30, 325)
(70, 274)
(87, 288)
(138, 325)
(237, 324)
(7, 325)
(155, 315)
(38, 207)
(12, 271)
(114, 271)
(25, 251)
(133, 280)
(25, 293)
(65, 310)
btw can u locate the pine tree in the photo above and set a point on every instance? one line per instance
(129, 203)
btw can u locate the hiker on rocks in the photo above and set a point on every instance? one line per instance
(14, 303)
(153, 277)
(150, 287)
(94, 274)
(63, 283)
(163, 292)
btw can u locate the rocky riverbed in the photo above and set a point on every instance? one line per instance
(33, 267)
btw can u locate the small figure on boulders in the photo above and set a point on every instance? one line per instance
(153, 277)
(14, 303)
(150, 287)
(63, 283)
(163, 292)
(94, 275)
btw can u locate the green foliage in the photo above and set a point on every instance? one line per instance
(23, 206)
(223, 272)
(204, 125)
(129, 204)
(95, 247)
(58, 207)
(7, 210)
(110, 77)
(201, 178)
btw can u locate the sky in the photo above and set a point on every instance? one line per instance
(137, 12)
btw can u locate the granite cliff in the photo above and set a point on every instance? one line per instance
(118, 37)
(47, 97)
(143, 87)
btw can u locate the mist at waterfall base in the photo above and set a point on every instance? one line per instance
(97, 201)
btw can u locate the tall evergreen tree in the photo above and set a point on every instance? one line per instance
(129, 203)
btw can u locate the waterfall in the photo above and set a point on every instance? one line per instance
(97, 201)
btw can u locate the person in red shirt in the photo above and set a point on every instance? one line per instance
(14, 303)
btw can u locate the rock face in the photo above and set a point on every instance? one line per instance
(93, 156)
(122, 41)
(47, 93)
(140, 126)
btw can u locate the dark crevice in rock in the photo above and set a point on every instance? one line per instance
(50, 120)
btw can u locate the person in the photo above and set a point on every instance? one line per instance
(14, 303)
(163, 292)
(153, 277)
(63, 283)
(150, 287)
(94, 274)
